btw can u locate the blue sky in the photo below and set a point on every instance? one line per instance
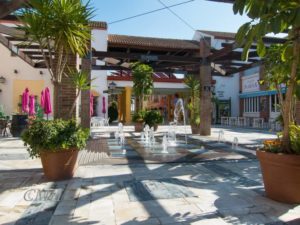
(200, 14)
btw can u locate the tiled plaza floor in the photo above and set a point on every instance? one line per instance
(208, 192)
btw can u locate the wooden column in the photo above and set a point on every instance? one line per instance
(127, 111)
(205, 92)
(86, 66)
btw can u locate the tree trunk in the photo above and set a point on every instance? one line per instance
(56, 100)
(288, 102)
(142, 101)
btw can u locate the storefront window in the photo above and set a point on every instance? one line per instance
(251, 104)
(274, 103)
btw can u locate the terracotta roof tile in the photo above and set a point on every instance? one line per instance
(98, 24)
(125, 40)
(218, 34)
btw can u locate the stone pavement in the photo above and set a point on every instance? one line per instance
(212, 192)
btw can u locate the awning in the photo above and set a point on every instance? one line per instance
(259, 93)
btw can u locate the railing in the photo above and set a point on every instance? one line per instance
(250, 122)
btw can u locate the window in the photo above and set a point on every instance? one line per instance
(251, 104)
(274, 101)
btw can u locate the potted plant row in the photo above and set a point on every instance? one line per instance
(57, 143)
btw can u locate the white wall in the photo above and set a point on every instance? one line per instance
(99, 43)
(10, 63)
(228, 87)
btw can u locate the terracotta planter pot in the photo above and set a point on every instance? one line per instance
(195, 129)
(138, 126)
(59, 165)
(281, 176)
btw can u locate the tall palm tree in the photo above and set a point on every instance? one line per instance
(61, 29)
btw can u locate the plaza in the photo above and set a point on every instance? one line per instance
(225, 188)
(149, 123)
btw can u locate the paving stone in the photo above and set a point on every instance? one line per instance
(148, 221)
(166, 188)
(65, 207)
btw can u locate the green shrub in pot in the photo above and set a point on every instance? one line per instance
(153, 118)
(54, 136)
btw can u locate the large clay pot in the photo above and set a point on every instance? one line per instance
(138, 126)
(281, 176)
(59, 165)
(195, 129)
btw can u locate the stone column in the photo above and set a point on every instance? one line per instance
(205, 85)
(86, 66)
(127, 100)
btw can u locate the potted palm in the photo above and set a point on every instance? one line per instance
(57, 143)
(194, 103)
(153, 118)
(279, 159)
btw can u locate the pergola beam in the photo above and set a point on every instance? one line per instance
(144, 57)
(7, 7)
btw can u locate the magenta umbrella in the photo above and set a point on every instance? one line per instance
(91, 104)
(42, 99)
(31, 105)
(103, 105)
(25, 101)
(47, 102)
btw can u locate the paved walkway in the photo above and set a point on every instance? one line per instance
(209, 192)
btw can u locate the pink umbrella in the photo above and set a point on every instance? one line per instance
(47, 102)
(42, 99)
(25, 101)
(91, 104)
(103, 105)
(31, 105)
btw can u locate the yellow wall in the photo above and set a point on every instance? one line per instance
(35, 87)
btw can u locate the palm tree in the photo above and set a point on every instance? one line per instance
(61, 29)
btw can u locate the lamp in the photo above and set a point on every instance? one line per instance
(2, 80)
(112, 85)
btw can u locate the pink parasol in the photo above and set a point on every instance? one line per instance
(103, 105)
(25, 101)
(47, 102)
(91, 104)
(31, 105)
(42, 99)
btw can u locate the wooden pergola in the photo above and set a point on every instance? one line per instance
(164, 55)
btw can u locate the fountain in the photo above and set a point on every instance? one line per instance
(179, 108)
(165, 144)
(221, 136)
(119, 135)
(235, 143)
